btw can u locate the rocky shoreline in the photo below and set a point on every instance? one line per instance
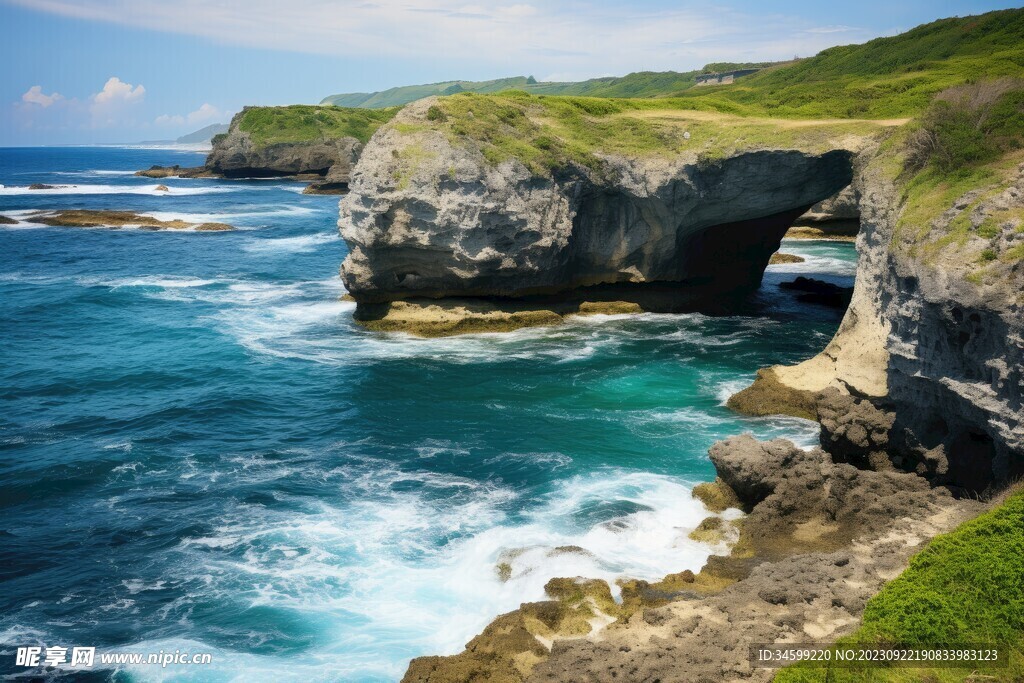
(918, 395)
(818, 539)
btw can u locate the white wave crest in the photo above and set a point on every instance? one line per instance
(172, 191)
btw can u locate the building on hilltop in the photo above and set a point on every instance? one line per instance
(723, 78)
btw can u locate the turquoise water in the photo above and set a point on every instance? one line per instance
(202, 452)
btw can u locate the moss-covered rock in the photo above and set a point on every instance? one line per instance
(716, 495)
(713, 530)
(779, 257)
(85, 218)
(768, 396)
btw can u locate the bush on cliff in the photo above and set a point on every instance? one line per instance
(968, 125)
(965, 587)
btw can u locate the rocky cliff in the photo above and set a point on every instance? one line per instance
(237, 155)
(926, 372)
(432, 216)
(478, 201)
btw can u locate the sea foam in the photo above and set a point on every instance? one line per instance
(172, 191)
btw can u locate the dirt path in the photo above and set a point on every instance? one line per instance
(718, 117)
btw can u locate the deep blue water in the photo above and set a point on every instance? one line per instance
(201, 451)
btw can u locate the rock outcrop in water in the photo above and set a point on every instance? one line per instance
(236, 155)
(429, 218)
(86, 218)
(176, 171)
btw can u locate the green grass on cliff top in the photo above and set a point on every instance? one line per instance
(887, 78)
(965, 587)
(883, 78)
(302, 123)
(548, 134)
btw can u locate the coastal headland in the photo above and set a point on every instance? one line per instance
(474, 213)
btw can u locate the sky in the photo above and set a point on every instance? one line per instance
(96, 71)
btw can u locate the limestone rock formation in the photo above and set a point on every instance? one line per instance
(236, 155)
(429, 217)
(836, 218)
(931, 345)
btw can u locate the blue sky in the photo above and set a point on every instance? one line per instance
(80, 71)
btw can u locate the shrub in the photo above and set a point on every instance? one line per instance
(434, 113)
(969, 125)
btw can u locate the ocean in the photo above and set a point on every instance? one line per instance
(202, 452)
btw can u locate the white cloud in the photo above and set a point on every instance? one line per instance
(35, 95)
(112, 105)
(115, 105)
(115, 91)
(565, 36)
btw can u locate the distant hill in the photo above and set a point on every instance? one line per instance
(203, 134)
(884, 77)
(640, 84)
(394, 97)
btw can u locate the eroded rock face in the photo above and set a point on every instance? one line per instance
(954, 347)
(235, 155)
(430, 218)
(930, 360)
(842, 206)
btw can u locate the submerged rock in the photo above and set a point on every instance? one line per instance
(779, 257)
(176, 172)
(84, 218)
(5, 220)
(819, 292)
(44, 186)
